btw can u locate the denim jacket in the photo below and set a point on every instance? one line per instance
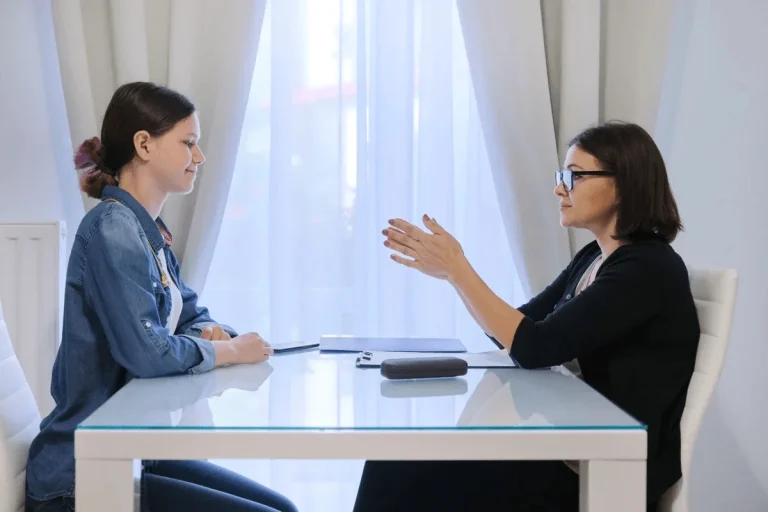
(115, 310)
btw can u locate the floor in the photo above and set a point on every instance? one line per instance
(313, 485)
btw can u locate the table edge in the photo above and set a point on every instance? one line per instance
(501, 444)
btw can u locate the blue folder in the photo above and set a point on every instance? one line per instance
(375, 344)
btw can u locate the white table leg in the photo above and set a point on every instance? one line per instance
(611, 485)
(103, 485)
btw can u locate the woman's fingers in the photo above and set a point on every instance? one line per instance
(394, 230)
(393, 235)
(407, 251)
(408, 228)
(404, 261)
(433, 226)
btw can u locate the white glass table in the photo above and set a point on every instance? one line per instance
(318, 406)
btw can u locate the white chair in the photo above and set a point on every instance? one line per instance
(714, 291)
(19, 424)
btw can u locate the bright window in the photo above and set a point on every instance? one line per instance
(359, 112)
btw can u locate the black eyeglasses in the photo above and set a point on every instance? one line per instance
(566, 176)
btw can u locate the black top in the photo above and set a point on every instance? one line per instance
(635, 332)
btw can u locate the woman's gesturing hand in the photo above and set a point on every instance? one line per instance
(437, 254)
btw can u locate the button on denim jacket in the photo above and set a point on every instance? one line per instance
(115, 310)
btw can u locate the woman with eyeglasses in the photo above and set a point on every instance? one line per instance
(622, 310)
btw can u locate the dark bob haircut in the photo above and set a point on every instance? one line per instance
(646, 206)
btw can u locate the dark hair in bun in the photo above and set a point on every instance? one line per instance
(94, 176)
(134, 107)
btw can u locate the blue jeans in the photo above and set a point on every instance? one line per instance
(191, 486)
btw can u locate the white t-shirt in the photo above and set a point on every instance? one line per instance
(176, 302)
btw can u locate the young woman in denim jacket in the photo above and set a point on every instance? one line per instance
(128, 314)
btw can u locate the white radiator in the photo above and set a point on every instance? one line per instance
(32, 272)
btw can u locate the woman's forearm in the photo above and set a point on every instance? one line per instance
(495, 316)
(475, 316)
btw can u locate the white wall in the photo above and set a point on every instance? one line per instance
(635, 42)
(37, 176)
(712, 128)
(694, 73)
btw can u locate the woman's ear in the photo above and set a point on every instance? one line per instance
(141, 143)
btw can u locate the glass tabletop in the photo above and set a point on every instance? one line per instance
(315, 391)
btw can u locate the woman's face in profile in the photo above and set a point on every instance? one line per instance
(592, 201)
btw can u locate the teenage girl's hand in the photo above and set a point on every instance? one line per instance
(244, 349)
(214, 333)
(251, 348)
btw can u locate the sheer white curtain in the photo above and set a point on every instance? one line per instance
(359, 111)
(203, 50)
(505, 47)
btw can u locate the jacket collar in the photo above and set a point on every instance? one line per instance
(152, 228)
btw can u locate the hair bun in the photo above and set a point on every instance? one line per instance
(89, 159)
(89, 156)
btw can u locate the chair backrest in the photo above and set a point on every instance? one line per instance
(19, 424)
(714, 291)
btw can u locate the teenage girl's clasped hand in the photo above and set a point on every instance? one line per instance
(247, 348)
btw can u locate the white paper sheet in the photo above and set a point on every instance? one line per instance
(492, 359)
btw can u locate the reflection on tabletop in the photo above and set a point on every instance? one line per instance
(317, 391)
(181, 401)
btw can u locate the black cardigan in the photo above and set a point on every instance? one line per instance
(635, 332)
